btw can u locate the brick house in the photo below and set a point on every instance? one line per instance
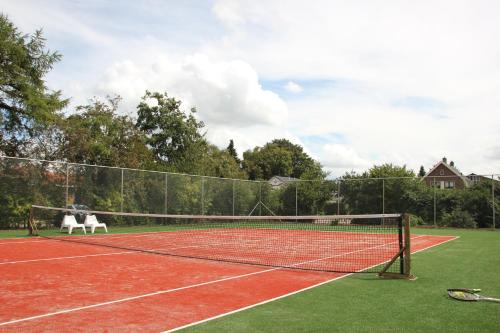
(444, 175)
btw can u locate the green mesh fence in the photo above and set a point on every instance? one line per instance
(24, 182)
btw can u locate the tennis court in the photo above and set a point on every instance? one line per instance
(52, 284)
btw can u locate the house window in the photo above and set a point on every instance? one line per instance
(449, 184)
(441, 172)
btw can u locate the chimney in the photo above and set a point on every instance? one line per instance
(452, 163)
(445, 160)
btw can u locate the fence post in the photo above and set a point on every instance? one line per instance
(260, 198)
(67, 184)
(383, 196)
(296, 203)
(434, 187)
(338, 197)
(166, 193)
(121, 201)
(202, 196)
(493, 198)
(234, 182)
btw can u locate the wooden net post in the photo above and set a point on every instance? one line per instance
(405, 251)
(33, 230)
(407, 247)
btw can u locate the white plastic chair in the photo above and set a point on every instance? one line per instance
(69, 222)
(92, 223)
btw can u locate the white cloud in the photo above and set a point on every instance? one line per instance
(339, 157)
(293, 87)
(374, 53)
(382, 52)
(228, 13)
(227, 95)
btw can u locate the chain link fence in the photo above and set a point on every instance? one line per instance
(24, 182)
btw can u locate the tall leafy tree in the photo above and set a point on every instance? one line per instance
(220, 163)
(26, 104)
(265, 162)
(301, 161)
(369, 193)
(279, 157)
(97, 134)
(174, 136)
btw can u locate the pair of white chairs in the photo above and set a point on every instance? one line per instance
(91, 222)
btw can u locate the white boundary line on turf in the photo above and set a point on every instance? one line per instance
(430, 247)
(295, 292)
(260, 303)
(177, 289)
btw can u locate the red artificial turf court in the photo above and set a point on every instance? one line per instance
(51, 285)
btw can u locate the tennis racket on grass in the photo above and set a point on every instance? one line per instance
(469, 295)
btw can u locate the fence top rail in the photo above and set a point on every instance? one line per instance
(123, 168)
(339, 179)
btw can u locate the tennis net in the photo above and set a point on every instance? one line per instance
(334, 243)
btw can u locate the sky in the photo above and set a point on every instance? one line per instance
(356, 83)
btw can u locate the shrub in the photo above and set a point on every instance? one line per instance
(416, 220)
(458, 219)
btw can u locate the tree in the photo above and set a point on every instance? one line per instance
(96, 134)
(421, 172)
(221, 163)
(173, 136)
(301, 161)
(26, 104)
(380, 189)
(232, 151)
(279, 157)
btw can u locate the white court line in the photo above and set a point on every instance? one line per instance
(61, 258)
(91, 255)
(294, 292)
(176, 289)
(23, 241)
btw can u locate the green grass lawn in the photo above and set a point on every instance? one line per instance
(364, 303)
